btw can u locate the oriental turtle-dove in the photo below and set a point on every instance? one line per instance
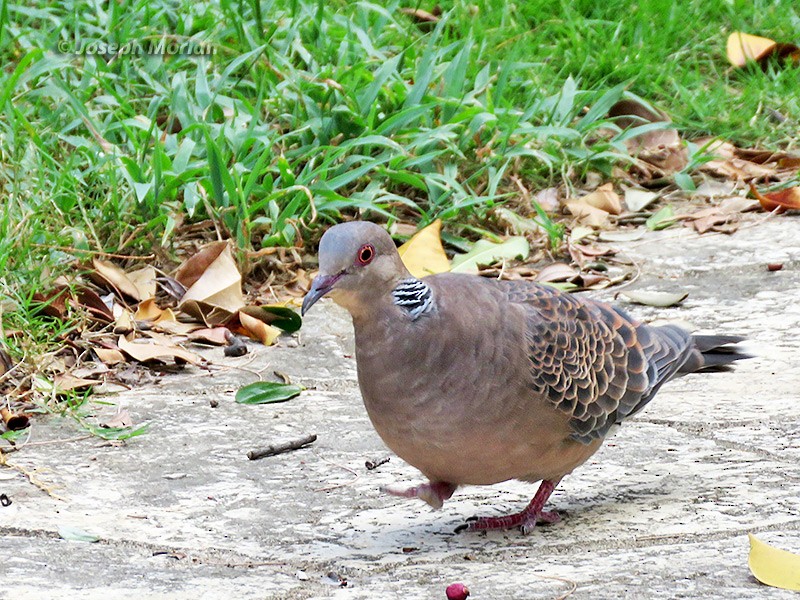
(476, 381)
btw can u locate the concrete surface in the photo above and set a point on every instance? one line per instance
(662, 511)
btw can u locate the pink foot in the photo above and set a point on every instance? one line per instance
(525, 520)
(433, 492)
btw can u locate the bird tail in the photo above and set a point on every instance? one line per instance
(713, 353)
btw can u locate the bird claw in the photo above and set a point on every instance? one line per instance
(524, 522)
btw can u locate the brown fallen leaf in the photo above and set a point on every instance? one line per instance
(711, 222)
(556, 272)
(53, 303)
(65, 382)
(213, 282)
(144, 351)
(779, 201)
(423, 18)
(123, 323)
(147, 311)
(90, 370)
(121, 419)
(145, 281)
(109, 356)
(744, 47)
(216, 336)
(604, 198)
(109, 275)
(660, 148)
(728, 165)
(588, 215)
(762, 157)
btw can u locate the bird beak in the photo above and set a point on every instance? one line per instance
(321, 285)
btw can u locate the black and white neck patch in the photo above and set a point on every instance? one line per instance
(414, 296)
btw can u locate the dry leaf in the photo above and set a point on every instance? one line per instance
(773, 566)
(147, 311)
(216, 336)
(661, 148)
(144, 351)
(145, 281)
(65, 382)
(109, 356)
(423, 254)
(423, 18)
(588, 215)
(780, 201)
(604, 198)
(213, 282)
(556, 272)
(743, 48)
(121, 419)
(123, 323)
(623, 235)
(637, 199)
(108, 273)
(258, 330)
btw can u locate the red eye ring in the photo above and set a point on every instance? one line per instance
(365, 254)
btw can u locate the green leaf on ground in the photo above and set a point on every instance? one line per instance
(658, 299)
(286, 319)
(485, 252)
(75, 534)
(267, 392)
(662, 219)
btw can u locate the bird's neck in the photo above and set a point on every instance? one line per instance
(413, 296)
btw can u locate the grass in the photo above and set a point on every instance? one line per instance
(307, 111)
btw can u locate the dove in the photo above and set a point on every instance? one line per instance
(476, 381)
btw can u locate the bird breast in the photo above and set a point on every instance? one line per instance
(451, 394)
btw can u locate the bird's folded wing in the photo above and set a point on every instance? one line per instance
(591, 360)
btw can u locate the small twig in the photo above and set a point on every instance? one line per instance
(32, 479)
(374, 464)
(98, 252)
(27, 444)
(274, 449)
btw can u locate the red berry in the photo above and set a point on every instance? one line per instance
(457, 591)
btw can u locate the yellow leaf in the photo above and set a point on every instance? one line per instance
(774, 566)
(423, 253)
(258, 330)
(743, 47)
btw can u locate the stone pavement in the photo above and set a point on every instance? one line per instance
(662, 511)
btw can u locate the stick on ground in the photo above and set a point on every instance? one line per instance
(274, 449)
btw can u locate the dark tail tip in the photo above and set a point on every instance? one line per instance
(714, 353)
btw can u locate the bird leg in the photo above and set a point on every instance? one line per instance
(525, 520)
(433, 492)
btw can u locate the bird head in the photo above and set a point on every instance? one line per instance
(357, 261)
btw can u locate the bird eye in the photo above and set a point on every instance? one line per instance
(365, 254)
